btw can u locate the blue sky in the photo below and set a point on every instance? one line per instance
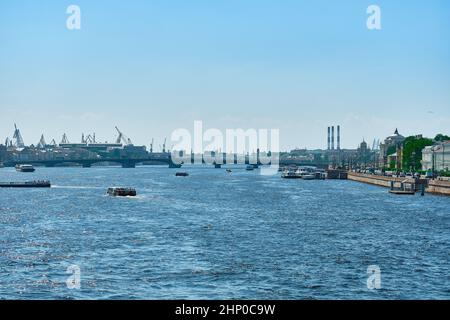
(151, 67)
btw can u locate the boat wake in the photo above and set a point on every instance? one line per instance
(75, 187)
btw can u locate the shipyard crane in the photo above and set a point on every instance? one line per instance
(41, 144)
(164, 145)
(90, 139)
(151, 146)
(64, 139)
(123, 139)
(17, 138)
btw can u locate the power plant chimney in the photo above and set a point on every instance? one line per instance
(332, 138)
(329, 139)
(339, 137)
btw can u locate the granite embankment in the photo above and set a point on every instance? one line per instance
(433, 186)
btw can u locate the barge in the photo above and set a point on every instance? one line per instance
(27, 184)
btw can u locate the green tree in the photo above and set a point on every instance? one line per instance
(412, 152)
(440, 137)
(391, 150)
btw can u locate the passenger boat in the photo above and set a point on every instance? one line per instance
(25, 168)
(122, 192)
(27, 184)
(289, 174)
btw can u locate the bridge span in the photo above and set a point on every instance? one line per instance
(157, 160)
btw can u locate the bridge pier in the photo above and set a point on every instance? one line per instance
(128, 165)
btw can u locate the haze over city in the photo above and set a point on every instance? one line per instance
(153, 67)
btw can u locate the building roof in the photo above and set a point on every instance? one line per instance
(396, 134)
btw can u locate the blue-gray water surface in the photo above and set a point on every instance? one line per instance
(215, 235)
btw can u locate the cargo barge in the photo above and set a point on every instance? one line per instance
(27, 184)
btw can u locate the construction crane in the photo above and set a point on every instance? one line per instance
(123, 139)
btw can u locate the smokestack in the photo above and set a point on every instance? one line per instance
(339, 137)
(332, 138)
(329, 140)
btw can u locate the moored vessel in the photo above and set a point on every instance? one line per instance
(25, 168)
(27, 184)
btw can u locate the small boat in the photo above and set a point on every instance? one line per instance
(403, 192)
(122, 192)
(2, 165)
(25, 168)
(175, 165)
(181, 174)
(289, 174)
(250, 168)
(229, 170)
(27, 184)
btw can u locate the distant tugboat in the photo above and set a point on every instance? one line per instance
(25, 168)
(28, 184)
(122, 192)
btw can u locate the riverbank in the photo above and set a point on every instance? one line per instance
(434, 186)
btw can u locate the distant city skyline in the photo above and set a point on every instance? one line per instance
(153, 67)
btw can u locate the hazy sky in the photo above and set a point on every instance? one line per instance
(152, 66)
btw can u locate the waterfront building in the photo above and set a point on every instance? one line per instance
(363, 154)
(436, 157)
(393, 142)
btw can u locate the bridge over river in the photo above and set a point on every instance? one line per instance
(130, 162)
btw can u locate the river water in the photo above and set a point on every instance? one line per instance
(216, 235)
